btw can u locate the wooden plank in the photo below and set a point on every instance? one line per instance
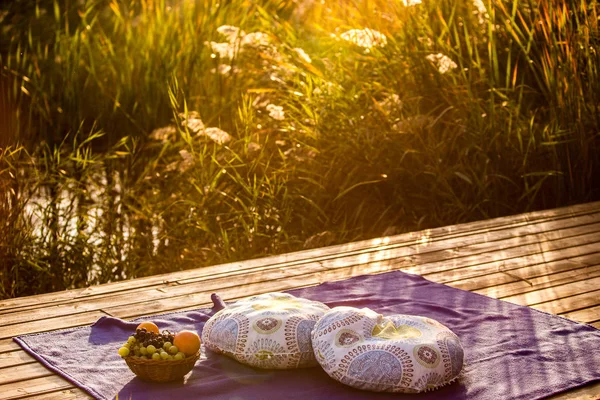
(125, 300)
(46, 384)
(192, 301)
(151, 306)
(50, 324)
(90, 304)
(309, 274)
(15, 358)
(195, 300)
(588, 392)
(174, 292)
(596, 325)
(556, 260)
(489, 252)
(527, 284)
(8, 345)
(368, 245)
(67, 394)
(23, 372)
(554, 293)
(571, 303)
(587, 315)
(376, 267)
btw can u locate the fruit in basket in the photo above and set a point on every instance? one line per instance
(187, 342)
(148, 344)
(153, 355)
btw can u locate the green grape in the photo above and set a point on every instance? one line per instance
(131, 340)
(169, 357)
(123, 351)
(151, 349)
(137, 352)
(167, 345)
(156, 356)
(164, 355)
(179, 356)
(127, 345)
(173, 350)
(143, 350)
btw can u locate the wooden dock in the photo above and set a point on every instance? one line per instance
(548, 260)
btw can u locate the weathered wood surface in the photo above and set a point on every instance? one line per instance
(548, 260)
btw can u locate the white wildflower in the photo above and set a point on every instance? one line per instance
(481, 11)
(443, 62)
(256, 39)
(224, 50)
(276, 112)
(187, 162)
(163, 134)
(480, 6)
(328, 88)
(232, 33)
(409, 3)
(302, 54)
(391, 103)
(366, 38)
(193, 121)
(426, 41)
(216, 134)
(253, 147)
(224, 69)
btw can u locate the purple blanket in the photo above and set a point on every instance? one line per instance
(511, 352)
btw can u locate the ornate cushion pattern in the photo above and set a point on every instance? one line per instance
(400, 353)
(270, 331)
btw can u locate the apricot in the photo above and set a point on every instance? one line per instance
(150, 327)
(187, 342)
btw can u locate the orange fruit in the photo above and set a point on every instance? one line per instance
(150, 327)
(187, 342)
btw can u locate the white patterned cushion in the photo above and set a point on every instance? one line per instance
(400, 353)
(270, 331)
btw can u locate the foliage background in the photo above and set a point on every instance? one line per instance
(107, 170)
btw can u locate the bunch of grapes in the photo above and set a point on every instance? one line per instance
(151, 345)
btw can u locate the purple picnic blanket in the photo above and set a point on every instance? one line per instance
(511, 352)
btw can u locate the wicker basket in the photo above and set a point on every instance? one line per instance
(161, 370)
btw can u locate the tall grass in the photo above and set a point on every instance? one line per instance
(138, 139)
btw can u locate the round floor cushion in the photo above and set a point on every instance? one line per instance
(270, 331)
(399, 353)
